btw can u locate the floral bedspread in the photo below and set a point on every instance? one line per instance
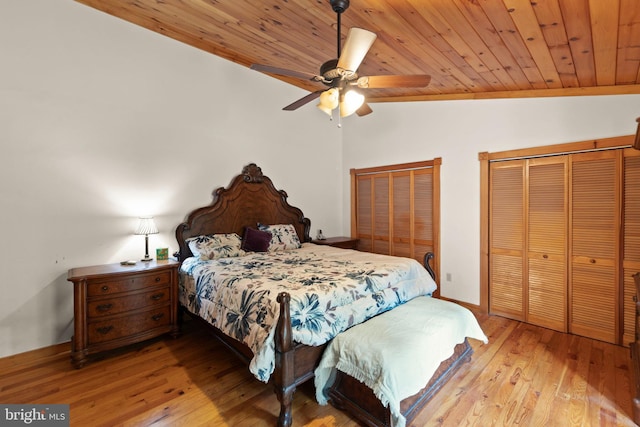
(331, 290)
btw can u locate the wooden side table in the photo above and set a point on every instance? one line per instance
(339, 242)
(117, 305)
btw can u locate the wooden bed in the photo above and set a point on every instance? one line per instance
(249, 199)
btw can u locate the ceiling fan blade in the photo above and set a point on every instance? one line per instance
(284, 72)
(364, 110)
(377, 82)
(302, 101)
(355, 48)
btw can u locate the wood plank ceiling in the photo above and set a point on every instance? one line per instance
(470, 48)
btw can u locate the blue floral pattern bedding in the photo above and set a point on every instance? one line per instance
(331, 290)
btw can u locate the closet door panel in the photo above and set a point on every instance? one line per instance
(507, 297)
(631, 236)
(506, 266)
(547, 243)
(594, 301)
(547, 299)
(595, 218)
(629, 306)
(632, 207)
(423, 213)
(365, 213)
(381, 242)
(402, 215)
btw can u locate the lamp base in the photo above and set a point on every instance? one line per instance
(146, 258)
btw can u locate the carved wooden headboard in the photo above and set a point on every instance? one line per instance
(251, 198)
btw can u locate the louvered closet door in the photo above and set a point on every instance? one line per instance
(631, 236)
(373, 213)
(381, 232)
(423, 216)
(402, 214)
(547, 243)
(595, 204)
(506, 258)
(412, 213)
(364, 211)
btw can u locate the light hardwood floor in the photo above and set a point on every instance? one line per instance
(525, 376)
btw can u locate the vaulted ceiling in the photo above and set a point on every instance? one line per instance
(470, 48)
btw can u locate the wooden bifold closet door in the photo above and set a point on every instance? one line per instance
(564, 241)
(595, 222)
(547, 242)
(506, 258)
(528, 241)
(631, 233)
(395, 209)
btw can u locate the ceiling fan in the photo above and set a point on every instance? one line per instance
(341, 76)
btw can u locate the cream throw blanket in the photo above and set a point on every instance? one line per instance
(396, 353)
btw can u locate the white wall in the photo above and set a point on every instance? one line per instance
(102, 121)
(457, 131)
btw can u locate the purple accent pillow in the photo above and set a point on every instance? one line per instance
(255, 240)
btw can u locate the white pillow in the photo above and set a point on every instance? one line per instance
(214, 246)
(283, 237)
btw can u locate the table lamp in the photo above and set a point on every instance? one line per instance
(147, 226)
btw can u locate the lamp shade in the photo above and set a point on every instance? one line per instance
(147, 226)
(328, 100)
(350, 102)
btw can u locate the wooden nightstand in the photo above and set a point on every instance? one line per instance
(338, 242)
(116, 305)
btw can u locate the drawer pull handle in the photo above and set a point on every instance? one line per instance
(105, 330)
(105, 288)
(156, 297)
(157, 279)
(635, 298)
(104, 307)
(157, 316)
(545, 256)
(592, 261)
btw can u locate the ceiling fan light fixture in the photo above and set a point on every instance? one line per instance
(350, 102)
(341, 74)
(328, 100)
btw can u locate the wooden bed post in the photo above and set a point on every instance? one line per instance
(283, 375)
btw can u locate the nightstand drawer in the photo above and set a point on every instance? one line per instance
(128, 283)
(109, 306)
(128, 325)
